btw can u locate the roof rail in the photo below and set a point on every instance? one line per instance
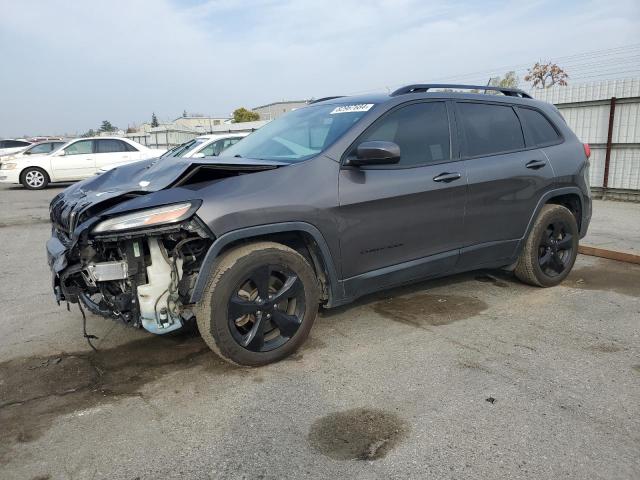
(424, 87)
(325, 98)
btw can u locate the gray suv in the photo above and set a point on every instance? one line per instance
(346, 196)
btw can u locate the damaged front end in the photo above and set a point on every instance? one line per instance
(128, 254)
(129, 268)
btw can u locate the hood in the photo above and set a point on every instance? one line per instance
(70, 208)
(158, 173)
(20, 156)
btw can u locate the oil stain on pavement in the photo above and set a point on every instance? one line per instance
(607, 275)
(357, 434)
(35, 391)
(429, 309)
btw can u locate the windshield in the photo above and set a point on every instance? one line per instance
(300, 134)
(182, 150)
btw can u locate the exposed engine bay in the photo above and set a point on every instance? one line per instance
(142, 281)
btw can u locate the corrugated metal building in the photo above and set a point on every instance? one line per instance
(274, 110)
(168, 135)
(606, 115)
(200, 123)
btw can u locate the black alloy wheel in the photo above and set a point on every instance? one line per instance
(551, 248)
(555, 252)
(266, 308)
(259, 304)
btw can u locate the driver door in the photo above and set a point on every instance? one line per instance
(404, 221)
(75, 162)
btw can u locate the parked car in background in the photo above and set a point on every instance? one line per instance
(39, 148)
(12, 146)
(206, 145)
(76, 160)
(199, 147)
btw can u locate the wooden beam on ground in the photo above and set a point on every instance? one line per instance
(610, 254)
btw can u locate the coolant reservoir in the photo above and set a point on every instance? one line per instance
(153, 296)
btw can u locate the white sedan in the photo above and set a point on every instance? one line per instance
(206, 145)
(76, 160)
(202, 146)
(8, 147)
(39, 148)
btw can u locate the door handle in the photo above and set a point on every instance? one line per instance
(535, 164)
(447, 177)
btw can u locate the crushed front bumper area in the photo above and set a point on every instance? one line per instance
(143, 279)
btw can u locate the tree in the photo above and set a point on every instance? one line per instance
(154, 120)
(510, 80)
(184, 113)
(131, 129)
(545, 75)
(243, 115)
(90, 133)
(106, 127)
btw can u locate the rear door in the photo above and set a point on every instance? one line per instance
(507, 175)
(111, 151)
(74, 162)
(391, 215)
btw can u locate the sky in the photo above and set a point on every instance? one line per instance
(68, 65)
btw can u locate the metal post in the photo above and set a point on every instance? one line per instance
(607, 158)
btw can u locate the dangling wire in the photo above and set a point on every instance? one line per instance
(84, 328)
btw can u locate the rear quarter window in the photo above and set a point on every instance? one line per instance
(490, 129)
(538, 129)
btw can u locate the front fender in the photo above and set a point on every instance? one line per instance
(251, 232)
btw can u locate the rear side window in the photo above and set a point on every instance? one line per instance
(539, 130)
(111, 145)
(490, 129)
(129, 148)
(421, 130)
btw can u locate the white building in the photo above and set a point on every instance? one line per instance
(606, 115)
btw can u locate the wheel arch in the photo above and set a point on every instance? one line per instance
(303, 237)
(571, 201)
(570, 197)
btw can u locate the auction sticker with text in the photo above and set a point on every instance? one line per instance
(360, 107)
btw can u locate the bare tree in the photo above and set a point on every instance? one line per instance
(510, 80)
(545, 75)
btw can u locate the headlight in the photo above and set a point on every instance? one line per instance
(8, 166)
(147, 218)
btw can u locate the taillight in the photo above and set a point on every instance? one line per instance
(587, 149)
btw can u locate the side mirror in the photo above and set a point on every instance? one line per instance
(375, 153)
(198, 155)
(62, 153)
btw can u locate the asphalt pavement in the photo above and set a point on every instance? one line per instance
(472, 376)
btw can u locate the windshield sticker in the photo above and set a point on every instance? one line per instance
(361, 107)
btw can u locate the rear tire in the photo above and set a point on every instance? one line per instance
(34, 178)
(259, 304)
(551, 248)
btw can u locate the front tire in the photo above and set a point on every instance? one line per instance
(551, 248)
(259, 305)
(34, 178)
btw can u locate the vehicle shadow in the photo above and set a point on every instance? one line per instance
(500, 278)
(51, 186)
